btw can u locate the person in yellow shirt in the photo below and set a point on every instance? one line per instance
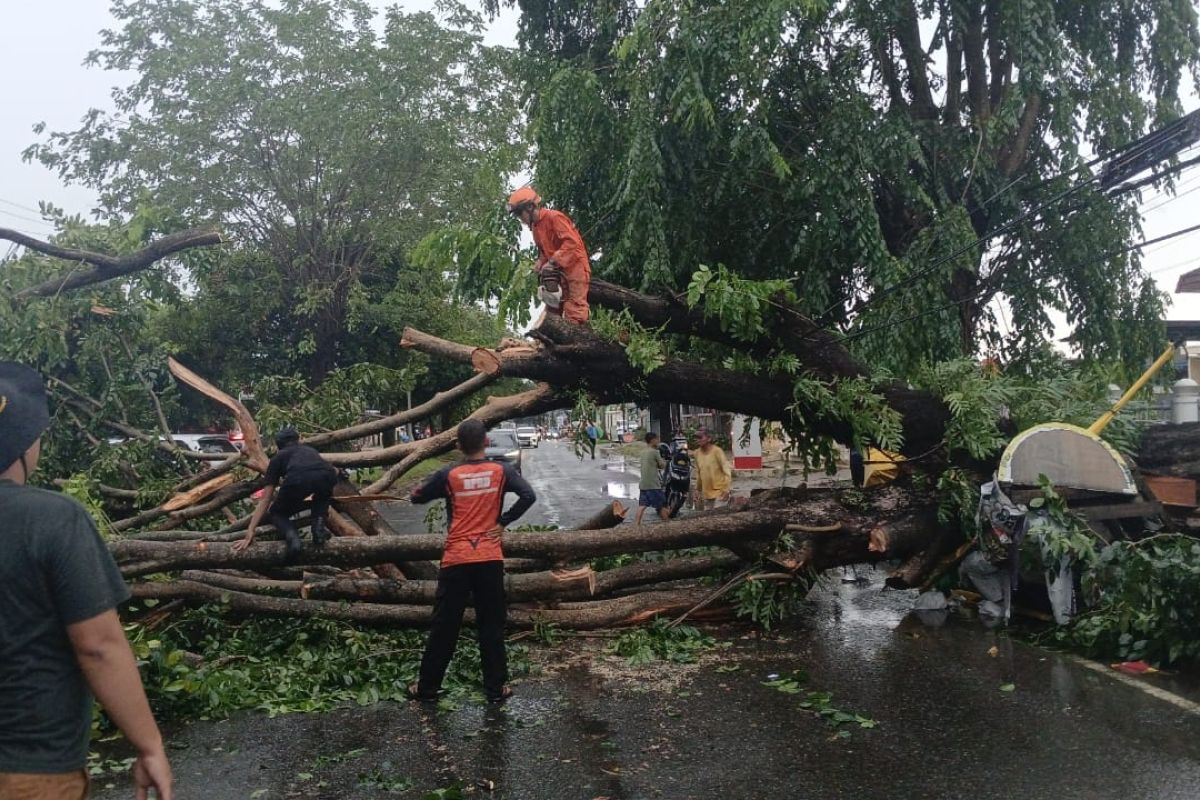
(713, 470)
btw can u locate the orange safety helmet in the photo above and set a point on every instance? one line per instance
(525, 196)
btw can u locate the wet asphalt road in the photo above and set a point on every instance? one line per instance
(591, 726)
(569, 490)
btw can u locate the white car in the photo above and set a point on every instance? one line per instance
(196, 442)
(528, 437)
(204, 442)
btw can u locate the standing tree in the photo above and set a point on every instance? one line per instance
(323, 148)
(872, 154)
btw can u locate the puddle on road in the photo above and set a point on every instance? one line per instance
(619, 489)
(615, 465)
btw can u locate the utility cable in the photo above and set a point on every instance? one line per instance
(18, 205)
(15, 215)
(1114, 161)
(972, 296)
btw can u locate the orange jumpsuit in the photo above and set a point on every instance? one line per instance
(558, 239)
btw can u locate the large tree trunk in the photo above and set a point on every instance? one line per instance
(830, 530)
(1171, 450)
(549, 586)
(573, 355)
(618, 611)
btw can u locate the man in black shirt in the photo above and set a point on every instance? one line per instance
(61, 641)
(299, 471)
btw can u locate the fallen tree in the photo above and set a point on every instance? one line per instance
(790, 533)
(377, 574)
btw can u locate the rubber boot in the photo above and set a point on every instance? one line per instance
(320, 533)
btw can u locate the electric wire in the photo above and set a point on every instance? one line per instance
(15, 215)
(1142, 145)
(843, 338)
(22, 207)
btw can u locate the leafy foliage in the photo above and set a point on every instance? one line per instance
(1068, 534)
(1141, 595)
(645, 348)
(1146, 595)
(848, 149)
(660, 641)
(819, 703)
(975, 398)
(284, 666)
(740, 305)
(325, 142)
(766, 603)
(981, 400)
(337, 403)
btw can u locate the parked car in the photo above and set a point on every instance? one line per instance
(528, 437)
(502, 445)
(553, 434)
(196, 442)
(204, 442)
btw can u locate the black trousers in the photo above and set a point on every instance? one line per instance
(289, 499)
(484, 581)
(591, 443)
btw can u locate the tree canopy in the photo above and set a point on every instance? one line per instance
(871, 154)
(324, 141)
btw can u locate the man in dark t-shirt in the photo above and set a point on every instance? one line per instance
(299, 471)
(61, 641)
(472, 560)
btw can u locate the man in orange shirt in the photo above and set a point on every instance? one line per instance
(472, 560)
(563, 266)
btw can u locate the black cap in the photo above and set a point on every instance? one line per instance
(24, 413)
(287, 435)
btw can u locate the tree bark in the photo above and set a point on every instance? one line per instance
(603, 368)
(538, 400)
(616, 612)
(1171, 450)
(256, 458)
(556, 547)
(433, 405)
(908, 34)
(106, 267)
(817, 348)
(841, 533)
(546, 586)
(610, 516)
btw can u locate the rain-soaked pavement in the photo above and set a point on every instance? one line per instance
(959, 712)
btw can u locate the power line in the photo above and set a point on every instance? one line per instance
(1176, 265)
(15, 215)
(1120, 164)
(1174, 197)
(18, 205)
(954, 304)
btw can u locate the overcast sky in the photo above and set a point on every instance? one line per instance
(41, 60)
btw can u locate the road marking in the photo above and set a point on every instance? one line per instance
(1182, 703)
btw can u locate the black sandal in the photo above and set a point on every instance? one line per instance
(505, 693)
(414, 693)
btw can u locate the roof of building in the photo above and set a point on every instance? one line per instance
(1187, 330)
(1188, 282)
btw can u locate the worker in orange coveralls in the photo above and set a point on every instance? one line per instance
(563, 268)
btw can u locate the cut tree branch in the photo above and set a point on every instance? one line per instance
(602, 367)
(428, 408)
(616, 612)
